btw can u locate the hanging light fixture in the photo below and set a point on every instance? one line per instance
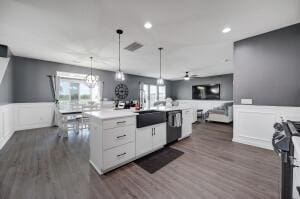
(186, 77)
(91, 80)
(160, 80)
(119, 74)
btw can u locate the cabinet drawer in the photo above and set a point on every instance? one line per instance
(118, 122)
(118, 136)
(118, 155)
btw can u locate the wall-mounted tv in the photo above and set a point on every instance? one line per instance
(206, 92)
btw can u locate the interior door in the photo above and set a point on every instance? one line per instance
(143, 140)
(159, 138)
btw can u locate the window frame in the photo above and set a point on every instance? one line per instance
(157, 93)
(80, 79)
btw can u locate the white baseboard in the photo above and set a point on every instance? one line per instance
(253, 125)
(253, 142)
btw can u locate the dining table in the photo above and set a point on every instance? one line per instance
(63, 118)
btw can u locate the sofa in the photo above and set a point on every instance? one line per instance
(223, 113)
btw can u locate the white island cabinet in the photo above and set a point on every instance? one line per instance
(187, 120)
(112, 139)
(150, 138)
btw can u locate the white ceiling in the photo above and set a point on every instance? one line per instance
(70, 31)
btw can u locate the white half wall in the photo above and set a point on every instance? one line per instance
(253, 125)
(3, 65)
(22, 116)
(205, 105)
(33, 115)
(6, 123)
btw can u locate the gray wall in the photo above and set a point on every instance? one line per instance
(267, 68)
(6, 86)
(182, 89)
(31, 83)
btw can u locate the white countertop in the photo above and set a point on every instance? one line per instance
(110, 113)
(173, 108)
(163, 108)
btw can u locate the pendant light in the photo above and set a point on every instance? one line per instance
(186, 77)
(160, 80)
(91, 80)
(119, 74)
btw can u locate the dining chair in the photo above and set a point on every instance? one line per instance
(88, 108)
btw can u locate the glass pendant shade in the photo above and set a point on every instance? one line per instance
(160, 81)
(91, 80)
(119, 76)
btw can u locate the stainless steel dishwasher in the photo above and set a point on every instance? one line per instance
(174, 124)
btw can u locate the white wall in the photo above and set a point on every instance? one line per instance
(253, 125)
(21, 116)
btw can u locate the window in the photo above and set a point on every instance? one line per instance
(146, 95)
(73, 89)
(161, 93)
(153, 93)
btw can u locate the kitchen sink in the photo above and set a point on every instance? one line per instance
(148, 111)
(150, 117)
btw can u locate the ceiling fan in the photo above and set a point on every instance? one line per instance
(187, 76)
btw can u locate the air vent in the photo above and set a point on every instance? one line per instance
(134, 46)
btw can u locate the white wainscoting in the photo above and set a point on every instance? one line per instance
(22, 116)
(33, 115)
(3, 66)
(205, 105)
(253, 125)
(6, 123)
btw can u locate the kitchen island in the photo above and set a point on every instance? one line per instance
(116, 140)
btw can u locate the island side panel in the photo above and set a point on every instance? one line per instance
(96, 152)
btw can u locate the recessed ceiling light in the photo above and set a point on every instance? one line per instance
(226, 30)
(148, 25)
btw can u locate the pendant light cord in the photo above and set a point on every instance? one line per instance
(160, 61)
(119, 52)
(91, 66)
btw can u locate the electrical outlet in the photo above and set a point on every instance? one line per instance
(246, 101)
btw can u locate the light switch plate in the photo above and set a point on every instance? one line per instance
(246, 101)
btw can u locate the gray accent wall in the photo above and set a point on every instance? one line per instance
(31, 83)
(267, 68)
(6, 86)
(182, 89)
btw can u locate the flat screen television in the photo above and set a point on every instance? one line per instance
(206, 92)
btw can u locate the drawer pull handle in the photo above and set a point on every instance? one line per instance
(121, 154)
(120, 136)
(121, 122)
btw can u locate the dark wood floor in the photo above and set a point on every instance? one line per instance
(35, 164)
